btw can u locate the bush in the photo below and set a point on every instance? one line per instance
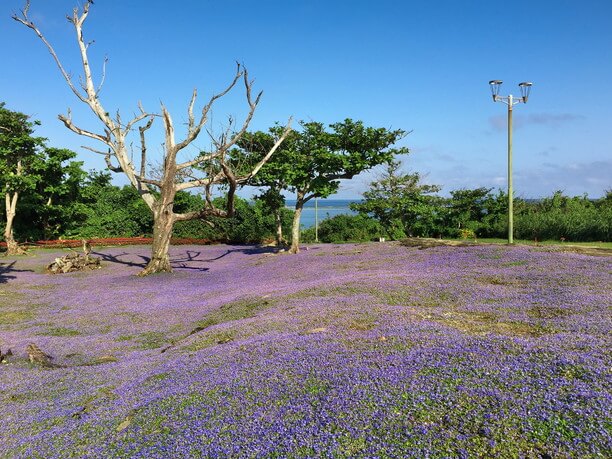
(251, 224)
(345, 228)
(563, 218)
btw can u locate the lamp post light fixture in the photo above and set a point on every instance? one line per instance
(510, 101)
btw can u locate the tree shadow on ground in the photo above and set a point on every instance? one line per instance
(248, 250)
(116, 259)
(7, 270)
(184, 261)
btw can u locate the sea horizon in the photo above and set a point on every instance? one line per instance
(325, 208)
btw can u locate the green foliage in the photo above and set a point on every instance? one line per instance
(566, 218)
(311, 162)
(105, 210)
(313, 159)
(251, 223)
(402, 204)
(466, 207)
(47, 211)
(477, 212)
(57, 199)
(198, 229)
(19, 151)
(345, 228)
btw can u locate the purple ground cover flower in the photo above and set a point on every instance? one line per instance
(372, 350)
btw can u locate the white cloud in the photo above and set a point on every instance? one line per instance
(573, 178)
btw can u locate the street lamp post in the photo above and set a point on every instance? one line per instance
(510, 101)
(316, 219)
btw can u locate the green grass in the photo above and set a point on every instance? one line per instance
(603, 245)
(15, 317)
(210, 339)
(60, 331)
(146, 340)
(245, 308)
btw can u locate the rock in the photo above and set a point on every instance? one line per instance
(73, 262)
(36, 355)
(3, 357)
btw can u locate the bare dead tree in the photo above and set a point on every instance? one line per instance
(158, 191)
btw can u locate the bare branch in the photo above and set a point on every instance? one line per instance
(200, 159)
(100, 152)
(232, 184)
(194, 184)
(134, 121)
(25, 20)
(109, 164)
(194, 129)
(191, 124)
(226, 145)
(143, 146)
(169, 135)
(260, 164)
(67, 120)
(157, 183)
(103, 78)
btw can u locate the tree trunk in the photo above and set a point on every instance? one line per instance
(163, 222)
(12, 247)
(295, 229)
(278, 216)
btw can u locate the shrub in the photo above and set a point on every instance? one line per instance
(345, 228)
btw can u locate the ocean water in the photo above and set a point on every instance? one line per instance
(326, 208)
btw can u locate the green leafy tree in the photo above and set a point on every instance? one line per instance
(311, 162)
(19, 158)
(106, 210)
(402, 203)
(47, 210)
(466, 210)
(273, 178)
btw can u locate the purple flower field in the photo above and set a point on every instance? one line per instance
(342, 351)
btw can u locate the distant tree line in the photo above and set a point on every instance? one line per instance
(48, 195)
(401, 206)
(72, 203)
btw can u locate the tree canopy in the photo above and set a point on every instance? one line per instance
(20, 158)
(312, 161)
(401, 203)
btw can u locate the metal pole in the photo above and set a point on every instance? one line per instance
(510, 192)
(316, 219)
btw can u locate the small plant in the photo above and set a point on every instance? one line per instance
(466, 233)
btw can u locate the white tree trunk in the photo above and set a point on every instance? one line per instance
(12, 247)
(163, 223)
(295, 229)
(278, 216)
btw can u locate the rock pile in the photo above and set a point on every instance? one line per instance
(74, 262)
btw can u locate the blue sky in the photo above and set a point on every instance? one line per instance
(422, 66)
